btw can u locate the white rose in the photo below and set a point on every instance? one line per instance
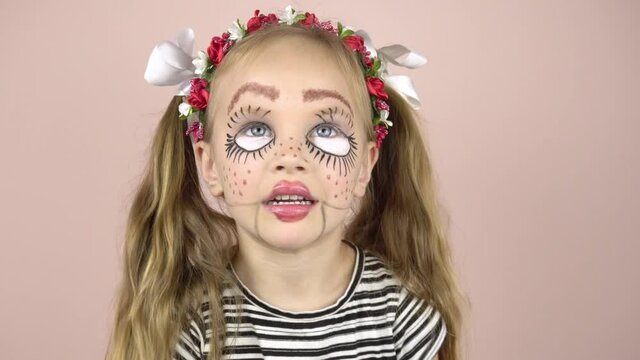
(201, 62)
(289, 15)
(236, 31)
(184, 109)
(384, 114)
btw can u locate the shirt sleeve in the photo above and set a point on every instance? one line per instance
(189, 345)
(418, 329)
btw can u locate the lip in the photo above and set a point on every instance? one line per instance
(293, 212)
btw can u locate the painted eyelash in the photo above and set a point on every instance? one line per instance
(346, 161)
(235, 151)
(232, 149)
(333, 110)
(235, 120)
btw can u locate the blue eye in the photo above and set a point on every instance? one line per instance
(328, 130)
(254, 137)
(330, 140)
(258, 133)
(252, 140)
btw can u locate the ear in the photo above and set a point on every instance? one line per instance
(365, 171)
(204, 158)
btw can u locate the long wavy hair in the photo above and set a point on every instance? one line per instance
(177, 247)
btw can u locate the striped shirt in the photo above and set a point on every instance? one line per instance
(375, 318)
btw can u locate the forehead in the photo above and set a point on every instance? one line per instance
(289, 73)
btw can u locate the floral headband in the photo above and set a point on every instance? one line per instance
(171, 63)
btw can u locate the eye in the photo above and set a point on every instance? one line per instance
(254, 137)
(330, 139)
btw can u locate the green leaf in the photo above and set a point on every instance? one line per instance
(339, 28)
(376, 64)
(346, 33)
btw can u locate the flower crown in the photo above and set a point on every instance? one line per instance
(171, 63)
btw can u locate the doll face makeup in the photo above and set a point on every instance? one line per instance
(332, 141)
(288, 146)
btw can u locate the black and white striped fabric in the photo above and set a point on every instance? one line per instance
(376, 318)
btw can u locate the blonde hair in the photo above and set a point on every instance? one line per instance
(177, 247)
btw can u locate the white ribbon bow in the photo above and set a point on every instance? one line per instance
(171, 63)
(400, 83)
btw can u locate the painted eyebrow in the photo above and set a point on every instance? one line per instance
(317, 94)
(272, 93)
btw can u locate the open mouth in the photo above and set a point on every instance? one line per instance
(290, 200)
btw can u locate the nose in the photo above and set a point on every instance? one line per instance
(290, 156)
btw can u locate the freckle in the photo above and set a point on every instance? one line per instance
(244, 182)
(234, 173)
(336, 182)
(282, 154)
(299, 148)
(290, 147)
(240, 193)
(335, 196)
(294, 155)
(236, 183)
(276, 154)
(280, 144)
(248, 171)
(328, 177)
(234, 192)
(290, 138)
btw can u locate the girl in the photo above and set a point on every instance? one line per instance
(327, 241)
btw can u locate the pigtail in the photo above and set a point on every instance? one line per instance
(175, 252)
(399, 220)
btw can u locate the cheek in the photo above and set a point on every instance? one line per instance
(340, 187)
(239, 181)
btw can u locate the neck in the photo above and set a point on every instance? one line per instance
(302, 279)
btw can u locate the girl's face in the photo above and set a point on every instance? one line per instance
(288, 116)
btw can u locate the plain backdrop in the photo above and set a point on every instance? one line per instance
(531, 109)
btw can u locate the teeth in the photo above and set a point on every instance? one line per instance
(289, 202)
(289, 197)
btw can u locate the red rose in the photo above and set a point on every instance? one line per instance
(254, 23)
(367, 60)
(381, 132)
(258, 20)
(355, 42)
(309, 20)
(270, 19)
(381, 105)
(376, 87)
(328, 26)
(217, 49)
(199, 95)
(195, 128)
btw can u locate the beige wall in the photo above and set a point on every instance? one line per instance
(533, 117)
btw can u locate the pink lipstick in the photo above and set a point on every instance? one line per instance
(290, 201)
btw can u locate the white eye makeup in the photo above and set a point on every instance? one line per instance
(331, 140)
(254, 137)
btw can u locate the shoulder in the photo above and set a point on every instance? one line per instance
(190, 341)
(419, 329)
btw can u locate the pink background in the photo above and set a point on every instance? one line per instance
(532, 113)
